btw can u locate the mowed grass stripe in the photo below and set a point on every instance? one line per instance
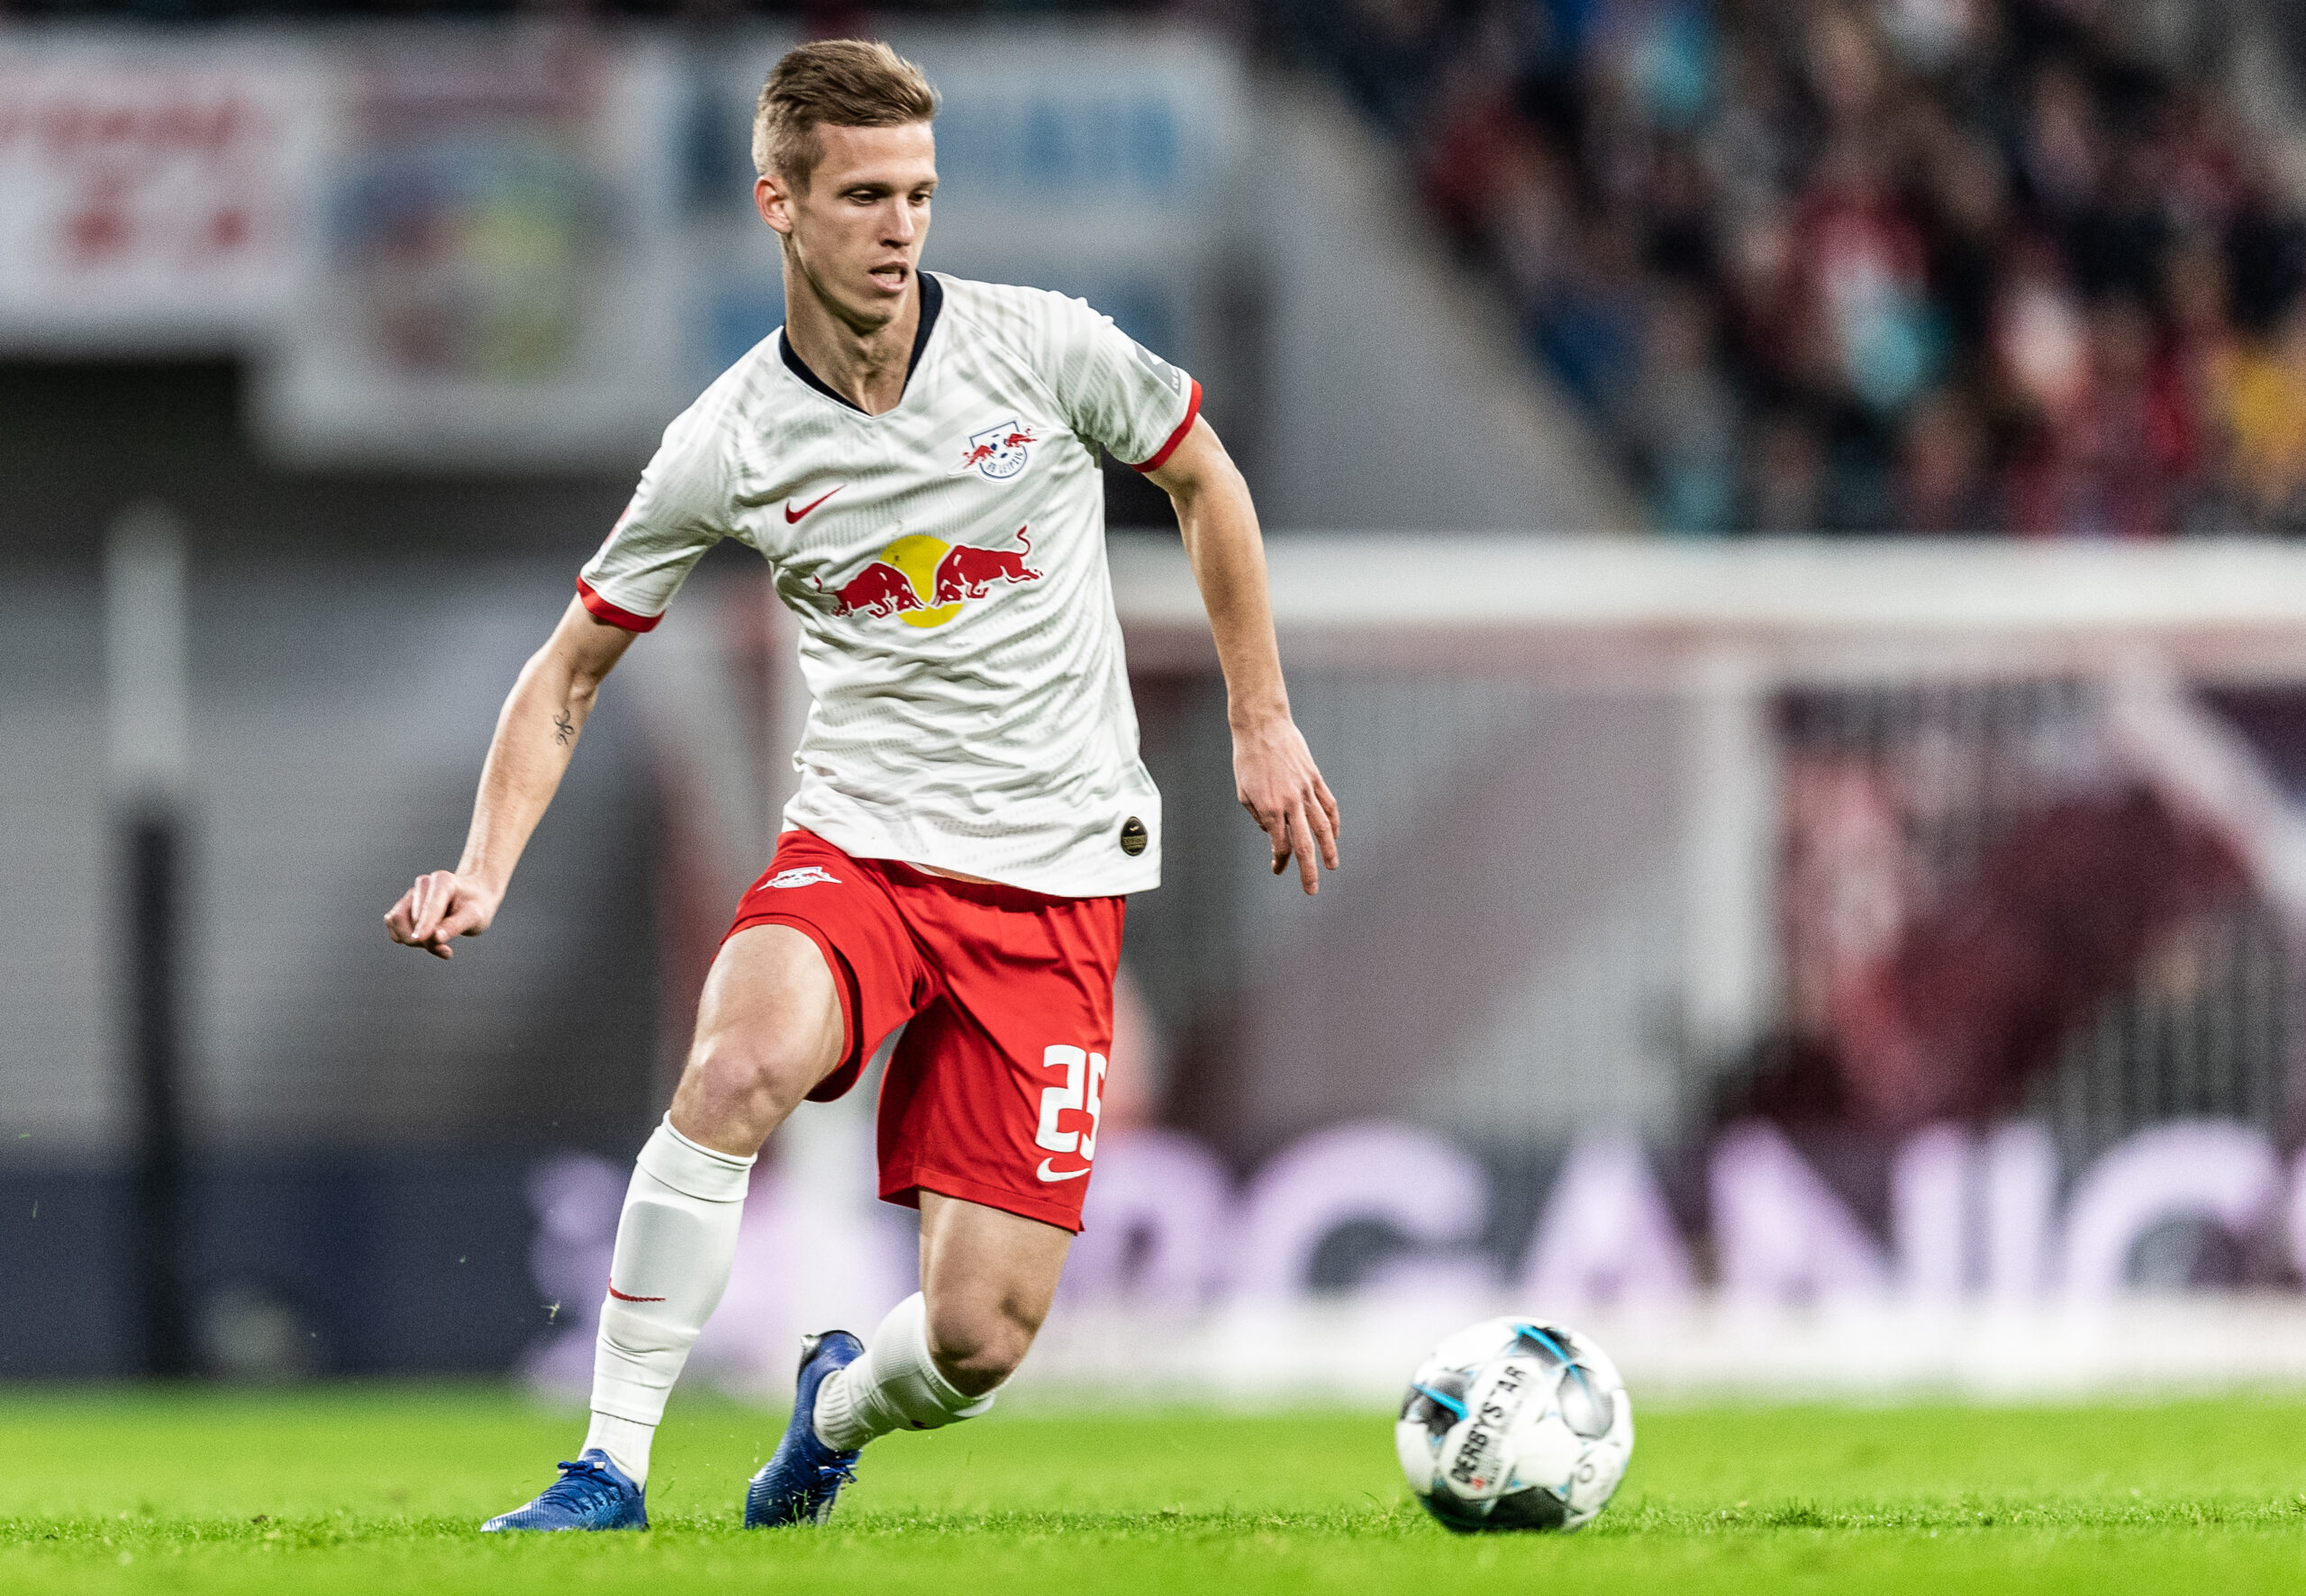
(378, 1488)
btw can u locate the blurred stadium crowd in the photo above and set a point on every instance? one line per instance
(1868, 265)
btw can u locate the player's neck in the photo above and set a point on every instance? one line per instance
(865, 366)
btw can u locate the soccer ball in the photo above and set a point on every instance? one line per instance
(1515, 1425)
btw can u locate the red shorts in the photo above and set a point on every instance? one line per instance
(994, 1006)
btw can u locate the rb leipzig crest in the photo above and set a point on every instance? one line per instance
(999, 453)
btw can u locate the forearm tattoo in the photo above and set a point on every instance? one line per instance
(563, 729)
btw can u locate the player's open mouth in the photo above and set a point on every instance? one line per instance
(891, 277)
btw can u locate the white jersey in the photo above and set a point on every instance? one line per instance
(947, 560)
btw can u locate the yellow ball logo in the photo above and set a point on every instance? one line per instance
(917, 556)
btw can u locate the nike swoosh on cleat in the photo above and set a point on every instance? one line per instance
(627, 1297)
(1046, 1172)
(792, 517)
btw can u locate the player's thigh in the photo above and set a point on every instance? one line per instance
(984, 1270)
(770, 1020)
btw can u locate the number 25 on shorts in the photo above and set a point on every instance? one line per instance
(1084, 1090)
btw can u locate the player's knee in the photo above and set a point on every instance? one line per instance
(977, 1344)
(746, 1079)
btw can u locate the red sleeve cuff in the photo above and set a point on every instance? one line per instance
(604, 610)
(1161, 454)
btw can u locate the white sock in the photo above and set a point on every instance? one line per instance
(676, 1243)
(625, 1440)
(895, 1385)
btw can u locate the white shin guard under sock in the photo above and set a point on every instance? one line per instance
(676, 1243)
(895, 1385)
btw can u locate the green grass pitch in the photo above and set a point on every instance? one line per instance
(378, 1488)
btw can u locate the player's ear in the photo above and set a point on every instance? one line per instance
(773, 200)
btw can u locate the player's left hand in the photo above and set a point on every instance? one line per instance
(1277, 781)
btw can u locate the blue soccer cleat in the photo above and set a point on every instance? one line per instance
(801, 1480)
(592, 1493)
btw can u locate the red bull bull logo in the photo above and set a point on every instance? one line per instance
(926, 580)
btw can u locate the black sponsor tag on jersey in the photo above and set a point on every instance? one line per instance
(1133, 837)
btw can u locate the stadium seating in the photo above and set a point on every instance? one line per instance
(2013, 266)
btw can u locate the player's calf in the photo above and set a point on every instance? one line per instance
(977, 1341)
(898, 1384)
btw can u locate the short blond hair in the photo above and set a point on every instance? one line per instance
(849, 83)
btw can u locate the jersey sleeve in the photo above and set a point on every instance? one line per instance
(1117, 392)
(681, 508)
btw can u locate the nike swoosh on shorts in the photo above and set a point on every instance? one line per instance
(1047, 1173)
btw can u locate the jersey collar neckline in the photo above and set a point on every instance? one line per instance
(933, 301)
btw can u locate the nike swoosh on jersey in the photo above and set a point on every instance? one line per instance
(792, 517)
(1047, 1173)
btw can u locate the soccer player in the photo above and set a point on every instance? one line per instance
(916, 457)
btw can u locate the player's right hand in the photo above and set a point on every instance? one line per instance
(1279, 785)
(438, 910)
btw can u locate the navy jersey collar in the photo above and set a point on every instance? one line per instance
(932, 300)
